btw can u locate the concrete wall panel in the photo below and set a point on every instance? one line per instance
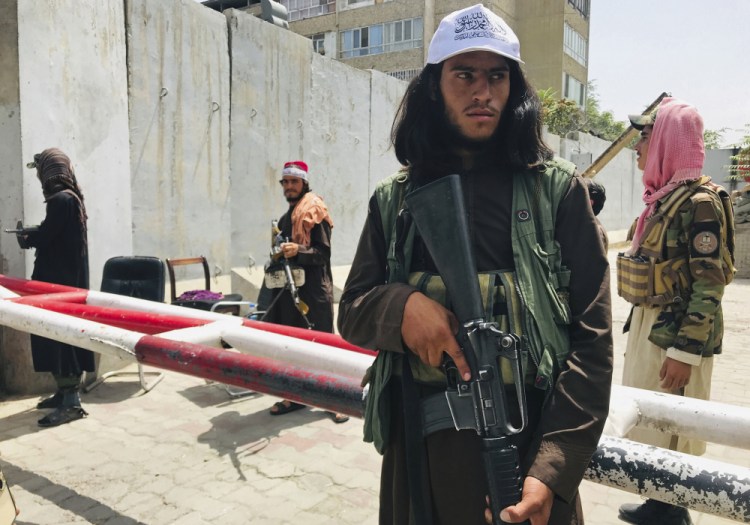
(621, 179)
(178, 60)
(15, 356)
(73, 95)
(717, 165)
(386, 94)
(290, 103)
(64, 84)
(338, 146)
(270, 76)
(11, 159)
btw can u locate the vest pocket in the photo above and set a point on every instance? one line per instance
(556, 282)
(643, 282)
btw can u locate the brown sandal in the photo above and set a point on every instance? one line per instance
(339, 418)
(282, 408)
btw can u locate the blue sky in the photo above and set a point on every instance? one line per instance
(696, 50)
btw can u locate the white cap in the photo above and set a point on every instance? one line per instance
(475, 28)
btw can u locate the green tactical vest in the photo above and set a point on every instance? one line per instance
(541, 282)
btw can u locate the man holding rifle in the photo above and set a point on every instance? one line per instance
(543, 280)
(306, 227)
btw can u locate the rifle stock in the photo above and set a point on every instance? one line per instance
(439, 214)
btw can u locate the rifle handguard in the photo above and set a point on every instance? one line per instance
(500, 459)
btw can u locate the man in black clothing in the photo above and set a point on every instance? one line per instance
(61, 258)
(306, 229)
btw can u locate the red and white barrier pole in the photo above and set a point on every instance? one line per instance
(308, 384)
(126, 306)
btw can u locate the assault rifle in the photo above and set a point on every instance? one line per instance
(21, 232)
(277, 255)
(19, 229)
(481, 403)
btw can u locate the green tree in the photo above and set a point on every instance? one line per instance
(562, 116)
(600, 123)
(740, 168)
(712, 138)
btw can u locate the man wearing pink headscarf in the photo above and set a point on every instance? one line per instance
(674, 273)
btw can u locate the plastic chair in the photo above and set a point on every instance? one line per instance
(234, 300)
(134, 276)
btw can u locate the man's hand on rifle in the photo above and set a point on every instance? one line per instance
(535, 505)
(429, 330)
(289, 249)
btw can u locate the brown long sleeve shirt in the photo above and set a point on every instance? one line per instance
(371, 310)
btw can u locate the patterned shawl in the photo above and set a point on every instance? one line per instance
(309, 211)
(675, 157)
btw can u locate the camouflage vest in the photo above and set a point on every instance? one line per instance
(660, 273)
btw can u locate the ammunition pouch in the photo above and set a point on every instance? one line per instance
(275, 276)
(644, 282)
(501, 304)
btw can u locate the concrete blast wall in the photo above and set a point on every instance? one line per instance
(620, 177)
(73, 95)
(178, 120)
(289, 103)
(63, 84)
(178, 64)
(138, 94)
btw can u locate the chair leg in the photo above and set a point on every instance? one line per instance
(140, 373)
(237, 392)
(142, 378)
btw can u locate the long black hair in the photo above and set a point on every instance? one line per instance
(420, 134)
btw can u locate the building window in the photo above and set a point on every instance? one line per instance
(582, 6)
(574, 90)
(301, 9)
(362, 41)
(318, 42)
(382, 38)
(403, 34)
(575, 45)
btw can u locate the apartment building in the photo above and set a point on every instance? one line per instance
(392, 35)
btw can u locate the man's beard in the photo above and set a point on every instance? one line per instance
(295, 200)
(453, 136)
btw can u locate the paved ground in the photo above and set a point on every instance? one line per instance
(187, 453)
